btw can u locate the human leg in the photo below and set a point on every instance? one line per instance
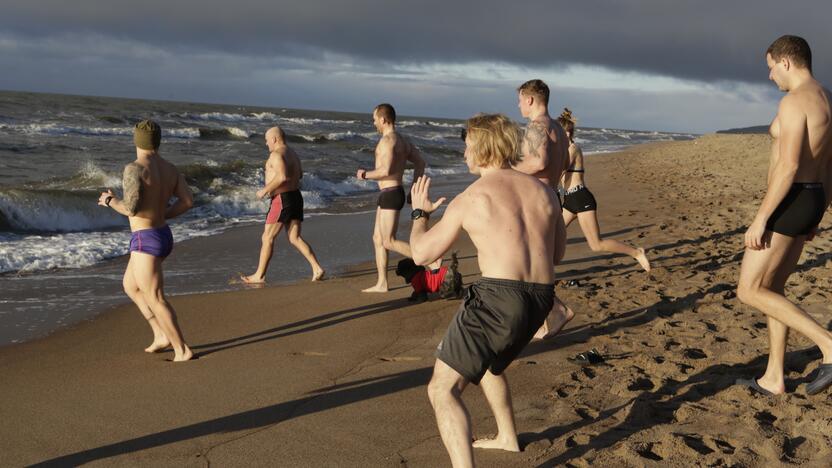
(381, 257)
(160, 341)
(296, 240)
(589, 225)
(498, 395)
(147, 271)
(752, 291)
(452, 418)
(270, 232)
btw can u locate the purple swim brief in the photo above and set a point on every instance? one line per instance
(155, 241)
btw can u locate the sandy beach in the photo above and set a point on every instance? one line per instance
(318, 374)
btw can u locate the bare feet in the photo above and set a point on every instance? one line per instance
(318, 275)
(252, 279)
(183, 356)
(157, 345)
(498, 443)
(376, 289)
(775, 387)
(642, 259)
(561, 314)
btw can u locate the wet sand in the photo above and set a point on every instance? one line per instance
(318, 374)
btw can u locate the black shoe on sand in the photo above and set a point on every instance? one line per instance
(753, 385)
(822, 381)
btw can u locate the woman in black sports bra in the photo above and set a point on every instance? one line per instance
(578, 201)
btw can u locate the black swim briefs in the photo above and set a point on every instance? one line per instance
(800, 211)
(495, 322)
(391, 198)
(285, 206)
(579, 199)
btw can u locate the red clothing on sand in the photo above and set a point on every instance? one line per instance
(428, 281)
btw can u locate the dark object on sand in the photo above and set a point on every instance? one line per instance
(754, 386)
(822, 381)
(446, 282)
(587, 358)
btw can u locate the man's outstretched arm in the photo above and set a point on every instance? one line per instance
(427, 245)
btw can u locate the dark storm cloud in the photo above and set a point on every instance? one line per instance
(702, 40)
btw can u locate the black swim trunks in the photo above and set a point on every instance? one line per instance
(392, 198)
(579, 199)
(495, 322)
(800, 211)
(286, 206)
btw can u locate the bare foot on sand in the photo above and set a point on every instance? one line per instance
(318, 275)
(184, 356)
(252, 279)
(376, 289)
(642, 259)
(560, 315)
(158, 345)
(499, 444)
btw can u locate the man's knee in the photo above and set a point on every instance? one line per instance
(295, 240)
(746, 293)
(268, 237)
(436, 391)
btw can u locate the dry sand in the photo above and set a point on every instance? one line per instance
(321, 375)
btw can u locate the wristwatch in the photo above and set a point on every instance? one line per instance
(419, 213)
(108, 200)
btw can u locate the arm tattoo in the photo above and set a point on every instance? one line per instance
(534, 138)
(132, 184)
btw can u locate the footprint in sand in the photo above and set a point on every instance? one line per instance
(586, 412)
(724, 447)
(765, 418)
(641, 384)
(695, 353)
(694, 441)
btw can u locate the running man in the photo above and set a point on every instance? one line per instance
(283, 173)
(511, 218)
(392, 154)
(545, 156)
(149, 183)
(579, 203)
(799, 190)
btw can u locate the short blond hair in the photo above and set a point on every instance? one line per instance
(494, 140)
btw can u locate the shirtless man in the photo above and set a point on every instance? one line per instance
(799, 190)
(149, 183)
(545, 151)
(511, 219)
(392, 153)
(283, 174)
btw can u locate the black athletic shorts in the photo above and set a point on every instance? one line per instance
(392, 198)
(800, 211)
(578, 200)
(495, 322)
(285, 206)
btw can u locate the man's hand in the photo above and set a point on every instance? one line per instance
(262, 193)
(102, 200)
(754, 235)
(419, 194)
(361, 174)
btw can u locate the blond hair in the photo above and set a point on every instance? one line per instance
(494, 140)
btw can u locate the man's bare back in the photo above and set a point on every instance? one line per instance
(545, 140)
(510, 219)
(153, 181)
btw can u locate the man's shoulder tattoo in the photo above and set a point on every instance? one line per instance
(132, 184)
(535, 136)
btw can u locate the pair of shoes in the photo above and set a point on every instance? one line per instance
(822, 381)
(753, 385)
(587, 358)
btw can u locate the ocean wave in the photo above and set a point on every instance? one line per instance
(54, 129)
(224, 133)
(55, 211)
(228, 117)
(307, 121)
(429, 123)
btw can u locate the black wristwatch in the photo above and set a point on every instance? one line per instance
(419, 213)
(108, 200)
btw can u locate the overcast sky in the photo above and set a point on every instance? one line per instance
(693, 66)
